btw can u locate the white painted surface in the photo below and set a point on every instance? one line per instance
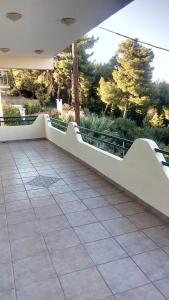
(140, 172)
(33, 131)
(40, 26)
(26, 62)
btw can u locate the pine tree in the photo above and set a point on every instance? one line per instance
(133, 73)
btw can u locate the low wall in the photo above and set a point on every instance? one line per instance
(34, 131)
(140, 172)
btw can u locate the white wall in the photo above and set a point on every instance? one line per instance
(9, 61)
(140, 172)
(33, 131)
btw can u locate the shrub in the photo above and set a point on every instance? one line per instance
(32, 108)
(10, 111)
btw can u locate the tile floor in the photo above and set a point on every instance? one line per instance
(67, 233)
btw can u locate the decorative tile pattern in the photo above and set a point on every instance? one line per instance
(43, 181)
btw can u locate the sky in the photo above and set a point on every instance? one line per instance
(147, 20)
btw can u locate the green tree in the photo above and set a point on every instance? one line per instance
(109, 93)
(133, 73)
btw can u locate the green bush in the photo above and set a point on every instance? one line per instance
(11, 111)
(32, 108)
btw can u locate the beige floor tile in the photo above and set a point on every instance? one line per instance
(146, 292)
(84, 285)
(155, 264)
(73, 206)
(106, 213)
(91, 232)
(83, 194)
(32, 269)
(27, 247)
(160, 235)
(47, 211)
(17, 205)
(8, 295)
(81, 218)
(105, 251)
(119, 226)
(163, 286)
(145, 220)
(71, 259)
(135, 243)
(53, 224)
(6, 277)
(122, 275)
(129, 208)
(61, 239)
(49, 289)
(23, 230)
(20, 216)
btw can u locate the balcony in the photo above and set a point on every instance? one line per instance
(78, 222)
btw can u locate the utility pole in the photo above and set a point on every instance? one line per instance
(75, 83)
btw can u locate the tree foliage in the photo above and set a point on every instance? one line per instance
(134, 72)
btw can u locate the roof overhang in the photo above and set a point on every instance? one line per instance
(40, 27)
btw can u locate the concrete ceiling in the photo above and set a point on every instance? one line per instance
(40, 26)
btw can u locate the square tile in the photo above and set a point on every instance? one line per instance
(48, 289)
(53, 224)
(145, 220)
(91, 232)
(61, 239)
(17, 205)
(8, 295)
(6, 277)
(71, 259)
(160, 235)
(117, 198)
(38, 193)
(84, 285)
(16, 196)
(21, 216)
(145, 292)
(119, 226)
(3, 220)
(27, 247)
(2, 209)
(66, 197)
(81, 218)
(96, 202)
(42, 201)
(130, 208)
(23, 230)
(106, 213)
(80, 186)
(122, 275)
(105, 250)
(135, 243)
(163, 286)
(59, 189)
(166, 249)
(73, 206)
(155, 264)
(32, 269)
(47, 211)
(83, 194)
(14, 188)
(3, 233)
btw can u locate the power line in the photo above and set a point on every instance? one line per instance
(133, 39)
